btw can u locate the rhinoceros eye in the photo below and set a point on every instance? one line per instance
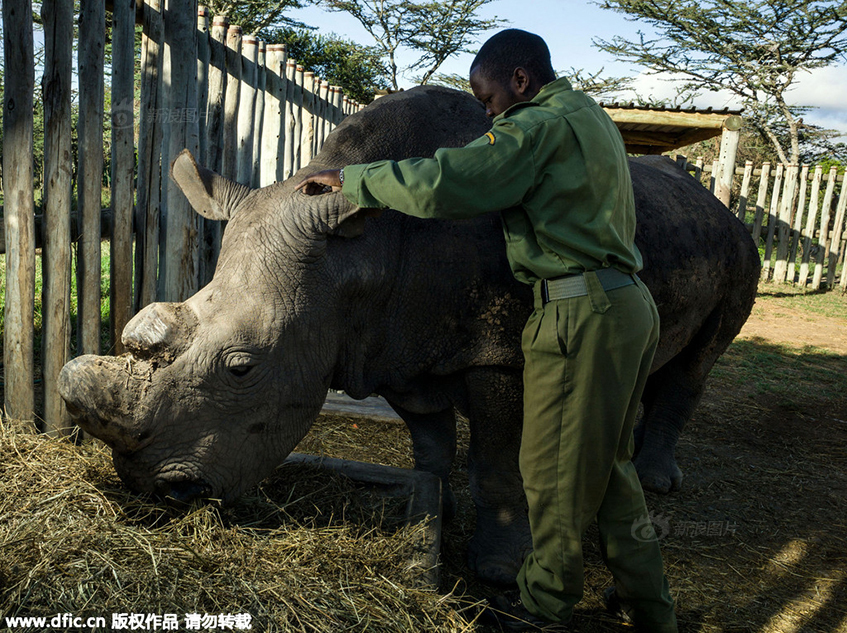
(240, 371)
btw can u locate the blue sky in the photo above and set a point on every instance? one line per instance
(569, 26)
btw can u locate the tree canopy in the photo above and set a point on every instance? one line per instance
(755, 49)
(358, 69)
(434, 30)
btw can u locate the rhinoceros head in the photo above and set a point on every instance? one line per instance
(216, 391)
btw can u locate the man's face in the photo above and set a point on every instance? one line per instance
(495, 96)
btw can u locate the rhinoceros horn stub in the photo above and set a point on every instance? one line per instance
(160, 329)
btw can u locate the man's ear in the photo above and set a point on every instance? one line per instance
(211, 195)
(520, 81)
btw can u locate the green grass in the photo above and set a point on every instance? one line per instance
(830, 303)
(105, 263)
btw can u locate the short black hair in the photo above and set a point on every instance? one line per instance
(514, 48)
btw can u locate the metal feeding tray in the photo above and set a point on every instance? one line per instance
(421, 489)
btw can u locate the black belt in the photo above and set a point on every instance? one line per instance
(571, 286)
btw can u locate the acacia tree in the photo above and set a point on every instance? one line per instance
(256, 15)
(755, 49)
(435, 30)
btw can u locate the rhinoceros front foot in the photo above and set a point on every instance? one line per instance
(498, 547)
(658, 470)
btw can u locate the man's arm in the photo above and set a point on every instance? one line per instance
(492, 173)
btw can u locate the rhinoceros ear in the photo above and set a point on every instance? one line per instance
(211, 195)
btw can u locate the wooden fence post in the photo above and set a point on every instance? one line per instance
(92, 42)
(229, 165)
(246, 105)
(272, 115)
(325, 110)
(745, 191)
(217, 89)
(780, 270)
(798, 221)
(764, 178)
(823, 234)
(123, 168)
(837, 228)
(289, 123)
(308, 119)
(773, 214)
(728, 151)
(203, 59)
(210, 242)
(56, 253)
(18, 211)
(259, 114)
(296, 104)
(150, 134)
(179, 258)
(809, 231)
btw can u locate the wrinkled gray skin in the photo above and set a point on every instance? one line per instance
(309, 295)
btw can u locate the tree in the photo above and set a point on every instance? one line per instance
(435, 30)
(755, 49)
(256, 15)
(358, 69)
(593, 84)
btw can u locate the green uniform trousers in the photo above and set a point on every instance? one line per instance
(587, 360)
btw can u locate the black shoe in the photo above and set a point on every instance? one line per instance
(509, 613)
(614, 605)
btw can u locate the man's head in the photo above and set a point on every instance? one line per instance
(510, 67)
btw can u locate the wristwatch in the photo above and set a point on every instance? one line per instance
(341, 177)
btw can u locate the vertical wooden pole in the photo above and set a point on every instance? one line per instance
(229, 166)
(713, 178)
(745, 191)
(271, 116)
(837, 229)
(698, 169)
(729, 149)
(283, 92)
(764, 178)
(259, 114)
(823, 235)
(773, 214)
(123, 168)
(18, 211)
(203, 58)
(809, 231)
(297, 109)
(92, 42)
(56, 252)
(150, 134)
(337, 99)
(308, 126)
(180, 222)
(246, 105)
(290, 123)
(798, 222)
(217, 90)
(325, 110)
(780, 270)
(210, 244)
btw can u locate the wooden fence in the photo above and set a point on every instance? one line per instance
(243, 108)
(796, 214)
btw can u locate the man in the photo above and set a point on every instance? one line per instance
(554, 165)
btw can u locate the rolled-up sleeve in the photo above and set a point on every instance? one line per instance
(492, 173)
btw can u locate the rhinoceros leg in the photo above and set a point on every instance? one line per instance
(671, 395)
(434, 446)
(502, 538)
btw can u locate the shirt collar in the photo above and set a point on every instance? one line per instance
(547, 92)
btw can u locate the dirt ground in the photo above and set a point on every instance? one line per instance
(756, 540)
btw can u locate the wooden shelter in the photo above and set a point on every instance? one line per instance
(650, 130)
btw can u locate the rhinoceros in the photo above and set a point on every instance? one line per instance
(310, 295)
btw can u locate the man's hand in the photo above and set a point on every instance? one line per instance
(321, 182)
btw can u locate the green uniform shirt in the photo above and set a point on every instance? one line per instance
(555, 167)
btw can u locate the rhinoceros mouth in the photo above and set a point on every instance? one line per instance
(181, 490)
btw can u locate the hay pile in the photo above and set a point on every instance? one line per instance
(306, 551)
